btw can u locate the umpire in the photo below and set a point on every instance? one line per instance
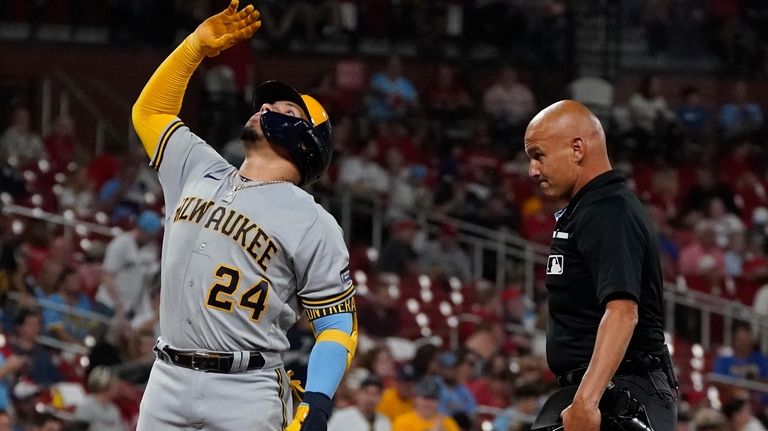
(603, 276)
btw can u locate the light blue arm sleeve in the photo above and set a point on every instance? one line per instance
(328, 360)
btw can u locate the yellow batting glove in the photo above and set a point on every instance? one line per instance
(301, 415)
(313, 413)
(227, 28)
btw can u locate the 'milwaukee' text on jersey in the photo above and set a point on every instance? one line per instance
(228, 222)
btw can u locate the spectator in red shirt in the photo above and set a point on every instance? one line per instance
(703, 259)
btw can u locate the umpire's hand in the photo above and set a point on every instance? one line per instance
(579, 417)
(312, 414)
(227, 28)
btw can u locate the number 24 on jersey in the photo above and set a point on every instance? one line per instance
(221, 295)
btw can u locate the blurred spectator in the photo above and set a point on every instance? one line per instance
(509, 102)
(651, 117)
(125, 194)
(397, 399)
(61, 144)
(444, 258)
(102, 168)
(12, 272)
(480, 162)
(486, 340)
(708, 419)
(45, 283)
(98, 409)
(78, 194)
(425, 414)
(665, 193)
(520, 415)
(392, 93)
(130, 262)
(668, 247)
(752, 193)
(147, 317)
(407, 192)
(493, 389)
(398, 256)
(362, 415)
(336, 100)
(5, 421)
(744, 361)
(738, 411)
(221, 111)
(706, 187)
(11, 180)
(39, 368)
(703, 257)
(740, 117)
(692, 114)
(456, 399)
(497, 214)
(755, 271)
(734, 254)
(19, 141)
(380, 363)
(10, 364)
(724, 223)
(46, 422)
(66, 326)
(539, 222)
(378, 313)
(449, 104)
(362, 175)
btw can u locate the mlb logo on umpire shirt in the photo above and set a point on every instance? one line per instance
(555, 264)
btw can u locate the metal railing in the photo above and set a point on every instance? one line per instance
(81, 227)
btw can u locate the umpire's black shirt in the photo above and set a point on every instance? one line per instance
(604, 247)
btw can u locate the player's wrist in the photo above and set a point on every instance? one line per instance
(194, 46)
(319, 402)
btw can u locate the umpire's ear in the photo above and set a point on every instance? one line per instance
(579, 148)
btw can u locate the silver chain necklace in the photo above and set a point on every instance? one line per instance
(243, 184)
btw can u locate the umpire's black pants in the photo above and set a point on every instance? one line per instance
(652, 390)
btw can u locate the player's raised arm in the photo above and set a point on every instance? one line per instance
(160, 101)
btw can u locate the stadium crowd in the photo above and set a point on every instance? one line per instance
(452, 149)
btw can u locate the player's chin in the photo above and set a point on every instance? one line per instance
(251, 134)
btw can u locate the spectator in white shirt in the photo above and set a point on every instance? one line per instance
(362, 416)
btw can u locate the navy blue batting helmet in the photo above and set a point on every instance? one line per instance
(307, 141)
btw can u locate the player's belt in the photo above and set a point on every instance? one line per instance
(212, 362)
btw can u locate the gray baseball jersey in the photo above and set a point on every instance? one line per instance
(241, 260)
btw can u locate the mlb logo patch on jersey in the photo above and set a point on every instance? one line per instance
(346, 278)
(555, 264)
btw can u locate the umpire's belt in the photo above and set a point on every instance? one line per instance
(212, 362)
(634, 366)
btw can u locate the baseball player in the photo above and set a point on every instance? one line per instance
(245, 251)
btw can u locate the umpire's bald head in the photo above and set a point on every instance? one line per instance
(566, 145)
